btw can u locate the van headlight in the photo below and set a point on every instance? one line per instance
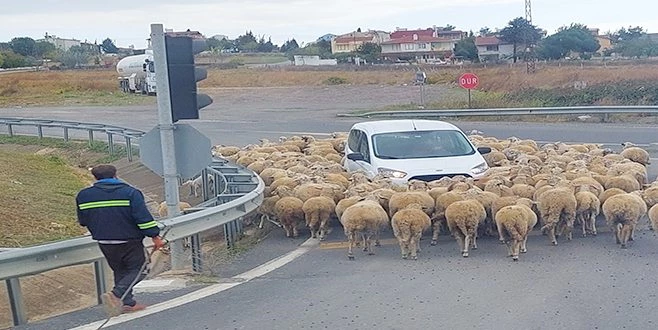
(390, 173)
(481, 168)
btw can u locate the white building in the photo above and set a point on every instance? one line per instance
(61, 43)
(313, 60)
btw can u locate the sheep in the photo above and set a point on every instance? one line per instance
(408, 226)
(289, 211)
(625, 182)
(622, 213)
(400, 200)
(197, 183)
(650, 196)
(344, 203)
(653, 217)
(523, 190)
(557, 207)
(636, 154)
(463, 218)
(609, 193)
(441, 204)
(514, 222)
(317, 212)
(366, 217)
(163, 212)
(588, 207)
(266, 210)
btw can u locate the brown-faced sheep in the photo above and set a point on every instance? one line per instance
(463, 218)
(514, 222)
(365, 218)
(557, 207)
(622, 213)
(317, 212)
(408, 226)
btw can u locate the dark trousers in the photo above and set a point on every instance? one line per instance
(126, 261)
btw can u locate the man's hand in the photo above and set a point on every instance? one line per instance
(158, 243)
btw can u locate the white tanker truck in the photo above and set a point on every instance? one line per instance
(137, 74)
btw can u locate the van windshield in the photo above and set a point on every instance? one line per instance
(421, 144)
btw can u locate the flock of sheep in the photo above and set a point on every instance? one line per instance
(554, 186)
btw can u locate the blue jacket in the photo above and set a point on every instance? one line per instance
(113, 210)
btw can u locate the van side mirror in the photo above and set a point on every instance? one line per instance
(484, 150)
(355, 156)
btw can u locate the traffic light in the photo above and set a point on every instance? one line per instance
(183, 76)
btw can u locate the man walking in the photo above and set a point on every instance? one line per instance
(117, 217)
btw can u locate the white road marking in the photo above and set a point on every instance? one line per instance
(210, 290)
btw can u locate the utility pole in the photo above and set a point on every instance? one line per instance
(530, 47)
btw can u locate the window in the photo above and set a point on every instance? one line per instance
(492, 48)
(422, 46)
(408, 46)
(396, 46)
(421, 144)
(353, 140)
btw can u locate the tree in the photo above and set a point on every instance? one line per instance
(75, 57)
(265, 46)
(44, 49)
(108, 46)
(485, 32)
(449, 27)
(246, 43)
(519, 32)
(466, 48)
(574, 38)
(2, 60)
(633, 33)
(289, 45)
(12, 60)
(369, 51)
(23, 46)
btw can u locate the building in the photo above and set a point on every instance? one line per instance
(604, 41)
(492, 49)
(60, 43)
(431, 45)
(350, 42)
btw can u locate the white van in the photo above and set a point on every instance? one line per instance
(412, 149)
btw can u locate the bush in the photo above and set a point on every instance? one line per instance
(335, 81)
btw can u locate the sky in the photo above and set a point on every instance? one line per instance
(128, 22)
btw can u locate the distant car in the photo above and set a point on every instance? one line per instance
(413, 149)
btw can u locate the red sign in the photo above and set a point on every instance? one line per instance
(469, 80)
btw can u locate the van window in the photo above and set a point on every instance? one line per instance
(421, 144)
(353, 140)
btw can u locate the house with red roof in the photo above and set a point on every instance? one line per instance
(350, 42)
(492, 49)
(429, 45)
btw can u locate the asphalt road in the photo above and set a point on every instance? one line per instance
(587, 283)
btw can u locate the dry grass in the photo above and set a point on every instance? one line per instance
(64, 88)
(38, 191)
(100, 86)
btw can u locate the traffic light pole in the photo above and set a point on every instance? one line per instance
(166, 127)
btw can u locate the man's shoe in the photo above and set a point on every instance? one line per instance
(111, 303)
(130, 309)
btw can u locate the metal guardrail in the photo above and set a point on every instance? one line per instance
(240, 192)
(129, 135)
(579, 110)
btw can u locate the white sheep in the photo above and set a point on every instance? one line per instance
(197, 183)
(365, 218)
(163, 212)
(588, 207)
(653, 217)
(408, 226)
(622, 213)
(463, 218)
(288, 209)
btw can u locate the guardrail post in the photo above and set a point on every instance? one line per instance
(40, 131)
(10, 129)
(110, 143)
(99, 276)
(91, 137)
(16, 301)
(129, 149)
(66, 134)
(195, 242)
